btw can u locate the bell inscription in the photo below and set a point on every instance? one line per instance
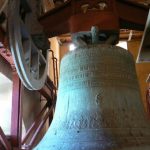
(99, 105)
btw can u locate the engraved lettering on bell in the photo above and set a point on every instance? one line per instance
(98, 105)
(99, 97)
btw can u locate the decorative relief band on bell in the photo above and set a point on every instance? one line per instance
(98, 103)
(99, 50)
(96, 121)
(103, 83)
(105, 76)
(117, 67)
(94, 66)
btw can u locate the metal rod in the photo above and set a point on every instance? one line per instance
(53, 66)
(56, 69)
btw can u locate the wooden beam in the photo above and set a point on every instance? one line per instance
(131, 16)
(62, 19)
(56, 21)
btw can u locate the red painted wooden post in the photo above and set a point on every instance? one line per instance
(16, 118)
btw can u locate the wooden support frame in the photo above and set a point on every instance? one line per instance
(16, 118)
(34, 124)
(4, 140)
(48, 113)
(48, 91)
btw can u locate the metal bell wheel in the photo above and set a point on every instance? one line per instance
(30, 63)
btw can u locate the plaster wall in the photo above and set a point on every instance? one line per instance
(143, 69)
(64, 48)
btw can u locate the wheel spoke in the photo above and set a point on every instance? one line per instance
(31, 65)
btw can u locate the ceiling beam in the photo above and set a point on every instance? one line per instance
(132, 15)
(57, 20)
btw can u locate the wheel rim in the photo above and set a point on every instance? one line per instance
(29, 61)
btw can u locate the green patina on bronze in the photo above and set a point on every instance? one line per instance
(99, 104)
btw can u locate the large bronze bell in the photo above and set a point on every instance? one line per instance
(99, 104)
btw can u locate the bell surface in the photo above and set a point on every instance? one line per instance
(99, 104)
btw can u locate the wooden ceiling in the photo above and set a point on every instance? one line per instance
(52, 15)
(132, 16)
(142, 2)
